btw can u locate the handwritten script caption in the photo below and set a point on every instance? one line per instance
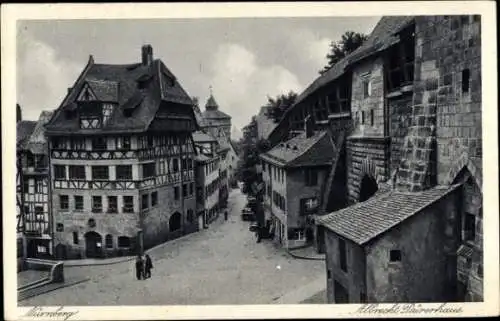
(39, 313)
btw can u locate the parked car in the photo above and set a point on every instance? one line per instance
(247, 214)
(254, 227)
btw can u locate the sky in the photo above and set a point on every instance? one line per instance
(244, 60)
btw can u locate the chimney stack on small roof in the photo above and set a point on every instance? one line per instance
(309, 126)
(147, 55)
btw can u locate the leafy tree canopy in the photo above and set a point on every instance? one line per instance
(280, 104)
(349, 42)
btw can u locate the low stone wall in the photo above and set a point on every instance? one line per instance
(55, 268)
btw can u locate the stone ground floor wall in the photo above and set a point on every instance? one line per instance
(366, 156)
(170, 219)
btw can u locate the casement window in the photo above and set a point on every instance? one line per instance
(63, 202)
(59, 171)
(469, 232)
(77, 143)
(308, 206)
(465, 80)
(99, 143)
(128, 204)
(30, 160)
(112, 204)
(75, 237)
(395, 255)
(145, 201)
(154, 199)
(150, 140)
(184, 190)
(77, 172)
(38, 186)
(342, 255)
(78, 202)
(183, 164)
(100, 172)
(311, 177)
(372, 117)
(367, 88)
(123, 143)
(59, 143)
(176, 193)
(123, 172)
(148, 170)
(109, 241)
(96, 204)
(124, 242)
(362, 117)
(175, 165)
(400, 61)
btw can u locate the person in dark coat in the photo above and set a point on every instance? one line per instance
(225, 215)
(139, 267)
(148, 266)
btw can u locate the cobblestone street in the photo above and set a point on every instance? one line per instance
(220, 265)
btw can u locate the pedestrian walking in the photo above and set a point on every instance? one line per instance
(148, 266)
(139, 267)
(225, 215)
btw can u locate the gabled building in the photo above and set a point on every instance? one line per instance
(294, 174)
(122, 160)
(33, 188)
(208, 179)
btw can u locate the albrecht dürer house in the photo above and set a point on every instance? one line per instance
(404, 114)
(122, 160)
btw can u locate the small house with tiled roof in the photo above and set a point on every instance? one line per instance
(122, 159)
(294, 173)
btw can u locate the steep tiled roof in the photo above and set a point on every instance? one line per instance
(37, 142)
(24, 128)
(382, 37)
(364, 221)
(211, 103)
(212, 110)
(119, 83)
(201, 137)
(303, 151)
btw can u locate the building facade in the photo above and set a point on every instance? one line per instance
(208, 179)
(122, 160)
(294, 174)
(35, 224)
(407, 117)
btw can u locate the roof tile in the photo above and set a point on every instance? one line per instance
(364, 221)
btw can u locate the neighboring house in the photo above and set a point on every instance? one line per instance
(122, 160)
(208, 163)
(218, 125)
(391, 248)
(294, 173)
(34, 192)
(24, 129)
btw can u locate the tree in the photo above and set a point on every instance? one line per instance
(280, 104)
(349, 42)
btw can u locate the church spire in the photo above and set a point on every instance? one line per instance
(211, 103)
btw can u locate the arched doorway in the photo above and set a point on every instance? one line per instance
(368, 187)
(174, 222)
(93, 244)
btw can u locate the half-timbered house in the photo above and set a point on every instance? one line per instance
(122, 160)
(33, 187)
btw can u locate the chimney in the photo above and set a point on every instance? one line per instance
(309, 126)
(147, 55)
